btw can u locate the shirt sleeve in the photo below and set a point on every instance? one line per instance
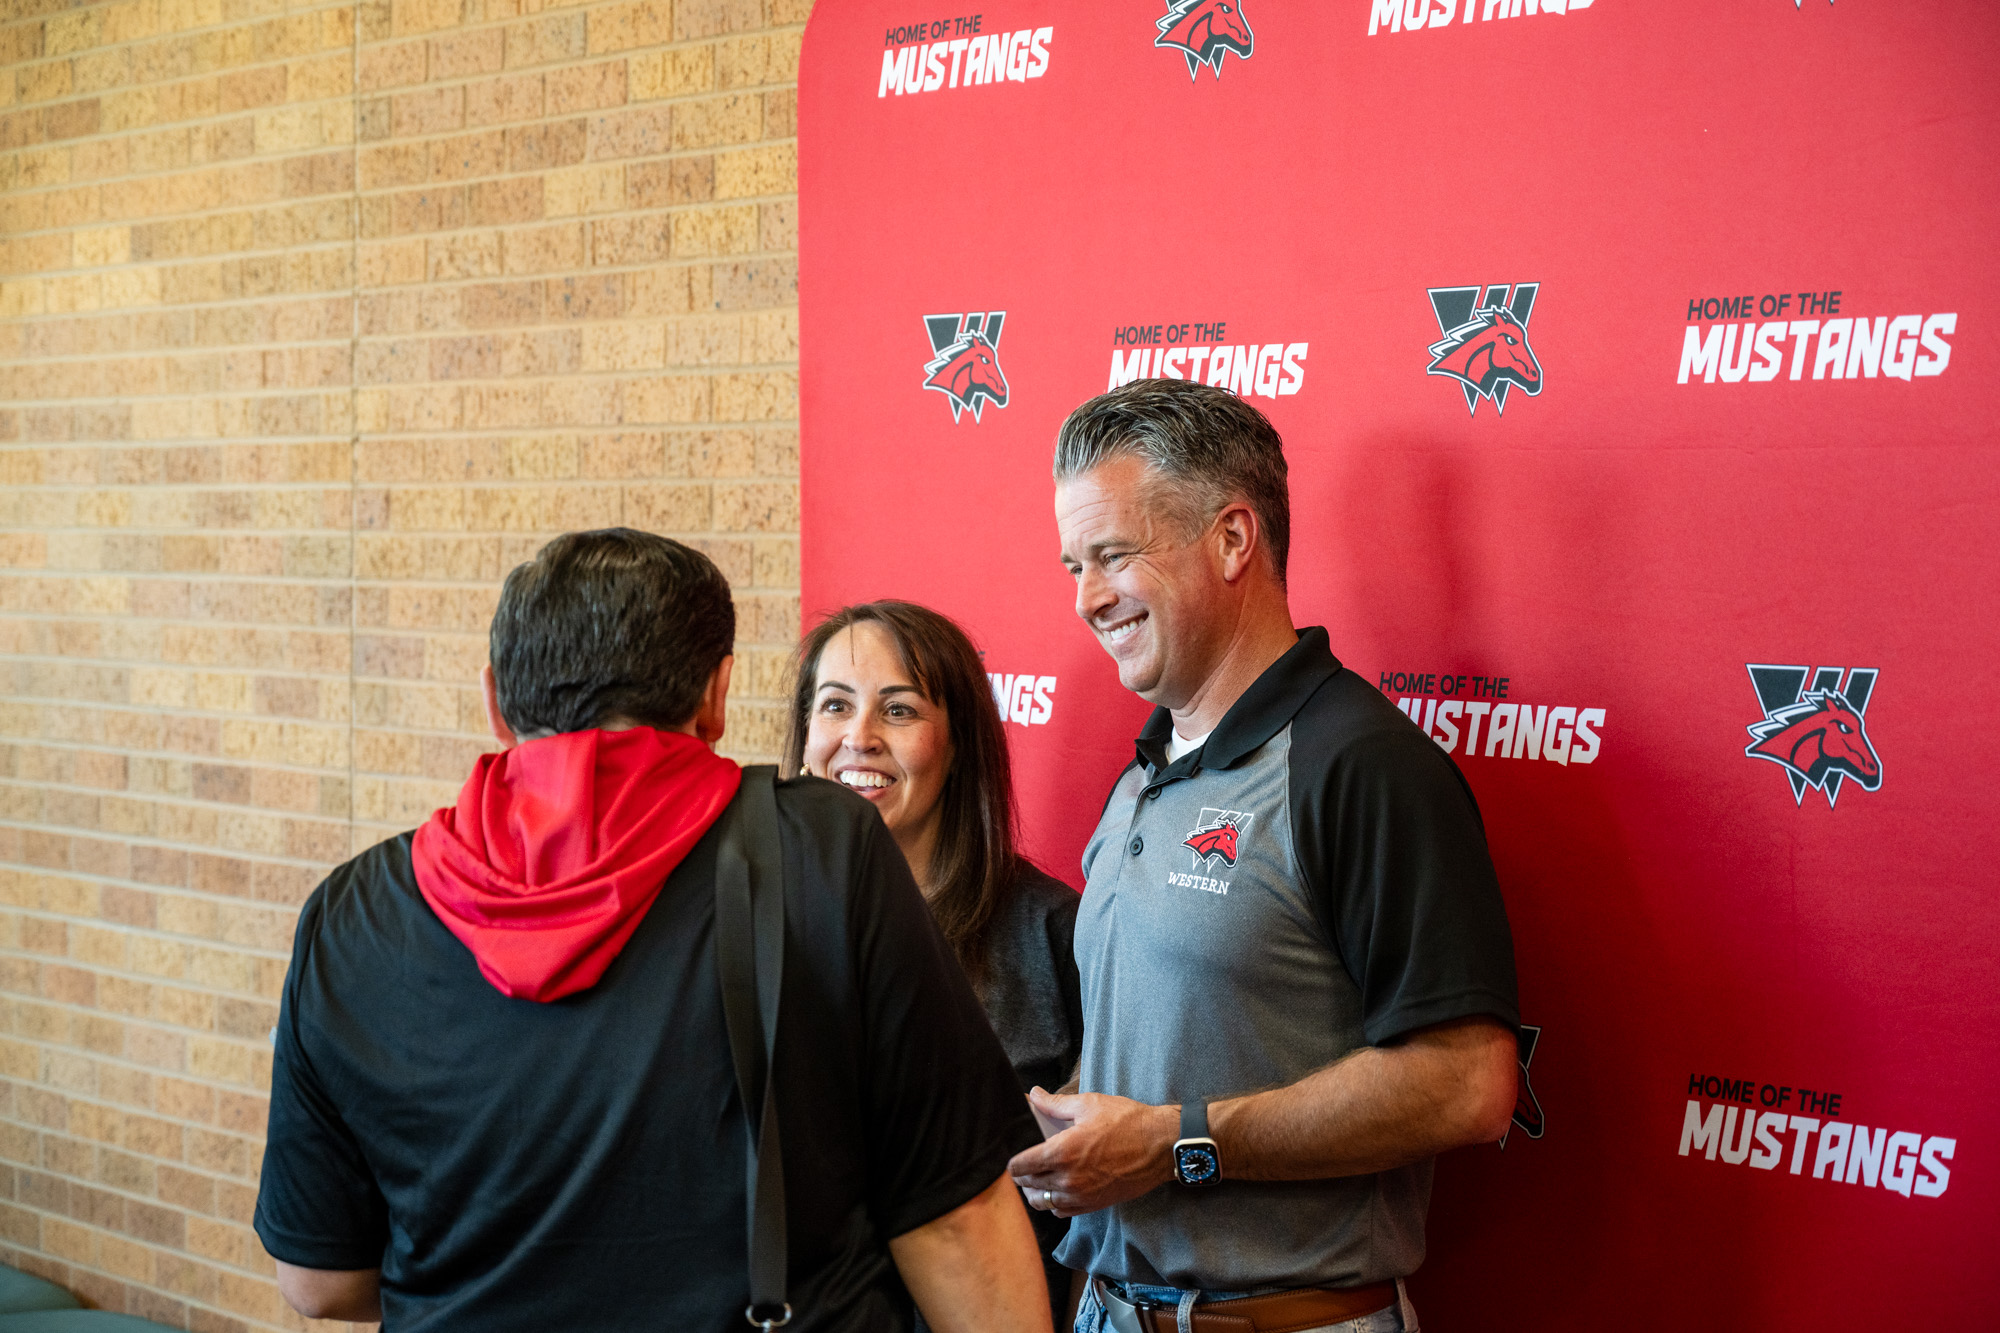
(318, 1205)
(1062, 949)
(1393, 838)
(944, 1112)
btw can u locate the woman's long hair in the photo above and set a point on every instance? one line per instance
(974, 861)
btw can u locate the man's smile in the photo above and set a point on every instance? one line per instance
(1119, 631)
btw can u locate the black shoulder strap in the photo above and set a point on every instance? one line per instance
(750, 959)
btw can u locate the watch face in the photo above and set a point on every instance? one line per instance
(1196, 1165)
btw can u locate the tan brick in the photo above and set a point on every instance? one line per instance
(418, 16)
(622, 347)
(714, 231)
(543, 249)
(590, 189)
(245, 550)
(675, 290)
(681, 72)
(591, 87)
(543, 40)
(767, 58)
(500, 100)
(620, 27)
(469, 155)
(707, 18)
(771, 169)
(458, 55)
(546, 144)
(427, 112)
(395, 65)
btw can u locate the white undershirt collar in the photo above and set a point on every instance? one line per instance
(1178, 746)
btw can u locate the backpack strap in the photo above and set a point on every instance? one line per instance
(750, 961)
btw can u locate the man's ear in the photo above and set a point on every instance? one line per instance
(495, 723)
(1237, 539)
(712, 716)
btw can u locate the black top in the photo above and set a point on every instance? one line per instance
(580, 1164)
(1031, 994)
(1030, 986)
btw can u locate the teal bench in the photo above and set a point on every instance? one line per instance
(29, 1304)
(24, 1291)
(76, 1321)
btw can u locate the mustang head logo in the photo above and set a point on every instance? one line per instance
(1488, 351)
(1816, 738)
(1204, 31)
(1217, 839)
(968, 372)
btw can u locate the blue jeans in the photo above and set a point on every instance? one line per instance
(1091, 1316)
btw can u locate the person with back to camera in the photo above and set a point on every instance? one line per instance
(1298, 979)
(516, 1051)
(892, 701)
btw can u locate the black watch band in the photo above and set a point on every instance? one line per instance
(1197, 1161)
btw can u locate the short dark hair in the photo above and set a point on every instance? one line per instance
(609, 625)
(1207, 445)
(974, 864)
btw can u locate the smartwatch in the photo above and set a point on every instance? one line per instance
(1196, 1161)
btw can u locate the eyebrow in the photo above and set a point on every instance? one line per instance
(1096, 549)
(886, 689)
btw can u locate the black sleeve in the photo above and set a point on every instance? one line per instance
(943, 1110)
(1062, 950)
(317, 1205)
(1389, 832)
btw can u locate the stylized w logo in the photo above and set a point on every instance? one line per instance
(1815, 734)
(1217, 836)
(965, 364)
(1485, 344)
(1205, 31)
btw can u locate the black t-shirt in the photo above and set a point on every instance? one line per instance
(1031, 994)
(580, 1164)
(1029, 985)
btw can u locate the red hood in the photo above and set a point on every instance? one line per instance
(558, 847)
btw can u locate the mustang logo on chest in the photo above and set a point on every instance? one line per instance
(1218, 835)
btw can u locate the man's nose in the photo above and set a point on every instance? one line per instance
(1093, 594)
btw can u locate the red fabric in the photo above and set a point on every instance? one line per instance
(558, 847)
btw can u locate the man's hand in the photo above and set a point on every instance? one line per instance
(1115, 1149)
(1375, 1109)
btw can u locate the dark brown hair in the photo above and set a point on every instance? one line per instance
(974, 861)
(608, 624)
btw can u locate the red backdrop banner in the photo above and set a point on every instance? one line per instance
(1635, 365)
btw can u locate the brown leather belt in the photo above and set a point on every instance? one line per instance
(1279, 1312)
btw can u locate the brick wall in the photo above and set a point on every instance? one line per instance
(314, 320)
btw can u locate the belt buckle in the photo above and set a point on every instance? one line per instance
(1154, 1303)
(1140, 1306)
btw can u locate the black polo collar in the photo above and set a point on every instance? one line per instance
(1272, 700)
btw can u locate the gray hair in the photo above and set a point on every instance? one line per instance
(1206, 446)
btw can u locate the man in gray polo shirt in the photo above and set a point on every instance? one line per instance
(1298, 980)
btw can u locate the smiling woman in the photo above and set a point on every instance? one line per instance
(876, 732)
(891, 701)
